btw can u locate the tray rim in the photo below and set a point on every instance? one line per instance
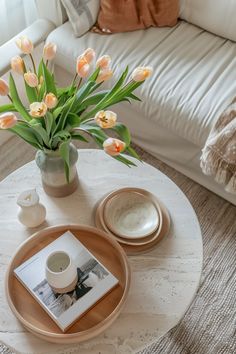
(88, 333)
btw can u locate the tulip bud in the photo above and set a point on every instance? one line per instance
(31, 79)
(113, 146)
(50, 100)
(89, 55)
(103, 62)
(7, 120)
(25, 45)
(38, 109)
(106, 119)
(49, 51)
(82, 66)
(4, 88)
(104, 75)
(141, 73)
(17, 65)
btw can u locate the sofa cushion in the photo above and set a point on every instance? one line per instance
(194, 73)
(216, 16)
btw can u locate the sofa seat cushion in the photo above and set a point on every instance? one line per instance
(194, 72)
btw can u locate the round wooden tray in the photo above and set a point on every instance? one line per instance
(98, 318)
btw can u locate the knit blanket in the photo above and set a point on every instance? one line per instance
(219, 153)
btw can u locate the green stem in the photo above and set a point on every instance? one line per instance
(9, 98)
(80, 80)
(32, 59)
(73, 81)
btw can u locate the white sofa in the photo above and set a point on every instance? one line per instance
(194, 77)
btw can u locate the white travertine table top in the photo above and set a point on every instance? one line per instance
(164, 280)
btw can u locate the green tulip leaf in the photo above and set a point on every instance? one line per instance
(65, 155)
(49, 80)
(8, 108)
(123, 133)
(16, 100)
(31, 93)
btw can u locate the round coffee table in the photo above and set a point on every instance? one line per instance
(164, 280)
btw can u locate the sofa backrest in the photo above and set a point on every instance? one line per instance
(216, 16)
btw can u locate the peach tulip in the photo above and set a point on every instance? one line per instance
(103, 62)
(104, 75)
(89, 55)
(49, 51)
(38, 109)
(4, 88)
(31, 79)
(25, 45)
(50, 100)
(113, 146)
(7, 120)
(141, 73)
(106, 119)
(17, 65)
(82, 66)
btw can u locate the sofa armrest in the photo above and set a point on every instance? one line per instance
(37, 32)
(51, 10)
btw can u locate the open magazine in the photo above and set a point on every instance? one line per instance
(94, 281)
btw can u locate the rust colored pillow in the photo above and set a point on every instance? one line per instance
(130, 15)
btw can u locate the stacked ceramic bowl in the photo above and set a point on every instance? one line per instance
(135, 217)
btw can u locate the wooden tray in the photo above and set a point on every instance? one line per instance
(98, 318)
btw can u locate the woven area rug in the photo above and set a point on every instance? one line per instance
(209, 326)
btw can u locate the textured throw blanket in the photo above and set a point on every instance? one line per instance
(219, 153)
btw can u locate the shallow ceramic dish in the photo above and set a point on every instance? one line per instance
(132, 246)
(99, 317)
(135, 249)
(133, 241)
(131, 214)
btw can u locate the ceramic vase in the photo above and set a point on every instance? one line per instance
(52, 170)
(31, 212)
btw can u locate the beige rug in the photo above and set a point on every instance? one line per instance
(209, 326)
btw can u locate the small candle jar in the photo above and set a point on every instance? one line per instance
(61, 272)
(31, 213)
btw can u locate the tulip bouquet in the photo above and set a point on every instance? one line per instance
(55, 116)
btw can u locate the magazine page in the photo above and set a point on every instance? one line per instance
(94, 281)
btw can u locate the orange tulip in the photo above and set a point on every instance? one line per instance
(113, 146)
(49, 51)
(38, 109)
(25, 45)
(106, 119)
(89, 55)
(31, 79)
(82, 66)
(4, 88)
(17, 65)
(141, 73)
(104, 75)
(50, 100)
(7, 120)
(103, 62)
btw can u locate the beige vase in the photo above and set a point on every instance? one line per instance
(52, 170)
